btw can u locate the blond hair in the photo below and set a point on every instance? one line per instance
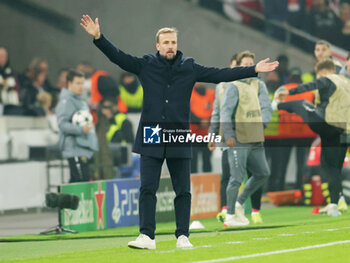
(165, 30)
(244, 54)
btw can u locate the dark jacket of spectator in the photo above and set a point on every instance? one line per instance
(323, 23)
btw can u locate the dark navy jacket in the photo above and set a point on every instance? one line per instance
(167, 89)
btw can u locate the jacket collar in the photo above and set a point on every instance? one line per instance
(177, 59)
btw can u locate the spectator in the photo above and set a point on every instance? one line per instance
(31, 86)
(9, 86)
(112, 126)
(131, 92)
(323, 23)
(202, 100)
(120, 128)
(275, 11)
(44, 101)
(283, 69)
(272, 81)
(296, 11)
(60, 84)
(103, 157)
(62, 79)
(99, 84)
(345, 17)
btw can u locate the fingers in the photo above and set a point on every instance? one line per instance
(83, 22)
(96, 21)
(83, 25)
(88, 18)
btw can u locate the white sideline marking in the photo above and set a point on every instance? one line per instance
(331, 229)
(261, 238)
(274, 252)
(286, 235)
(234, 242)
(308, 232)
(178, 249)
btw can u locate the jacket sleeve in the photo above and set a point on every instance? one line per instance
(228, 107)
(320, 83)
(215, 115)
(265, 103)
(115, 55)
(64, 111)
(217, 75)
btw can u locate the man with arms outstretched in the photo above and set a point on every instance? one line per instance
(167, 79)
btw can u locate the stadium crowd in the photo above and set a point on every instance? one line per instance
(324, 19)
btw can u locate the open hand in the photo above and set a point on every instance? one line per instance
(93, 28)
(265, 66)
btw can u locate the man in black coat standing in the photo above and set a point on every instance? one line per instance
(167, 80)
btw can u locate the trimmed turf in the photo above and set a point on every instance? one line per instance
(284, 228)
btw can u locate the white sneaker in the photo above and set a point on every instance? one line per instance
(342, 205)
(324, 210)
(143, 241)
(183, 242)
(239, 212)
(234, 220)
(333, 210)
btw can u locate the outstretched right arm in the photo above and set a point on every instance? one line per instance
(123, 60)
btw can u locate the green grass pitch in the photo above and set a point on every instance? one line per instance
(289, 234)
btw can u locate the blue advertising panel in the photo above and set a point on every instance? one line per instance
(122, 202)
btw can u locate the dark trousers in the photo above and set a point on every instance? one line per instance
(280, 155)
(225, 176)
(79, 169)
(332, 151)
(206, 158)
(179, 169)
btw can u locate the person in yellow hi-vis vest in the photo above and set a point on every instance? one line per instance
(131, 92)
(330, 119)
(245, 110)
(120, 128)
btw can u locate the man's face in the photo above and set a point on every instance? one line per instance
(167, 45)
(76, 86)
(247, 62)
(322, 52)
(3, 57)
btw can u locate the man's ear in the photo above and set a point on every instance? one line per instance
(157, 46)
